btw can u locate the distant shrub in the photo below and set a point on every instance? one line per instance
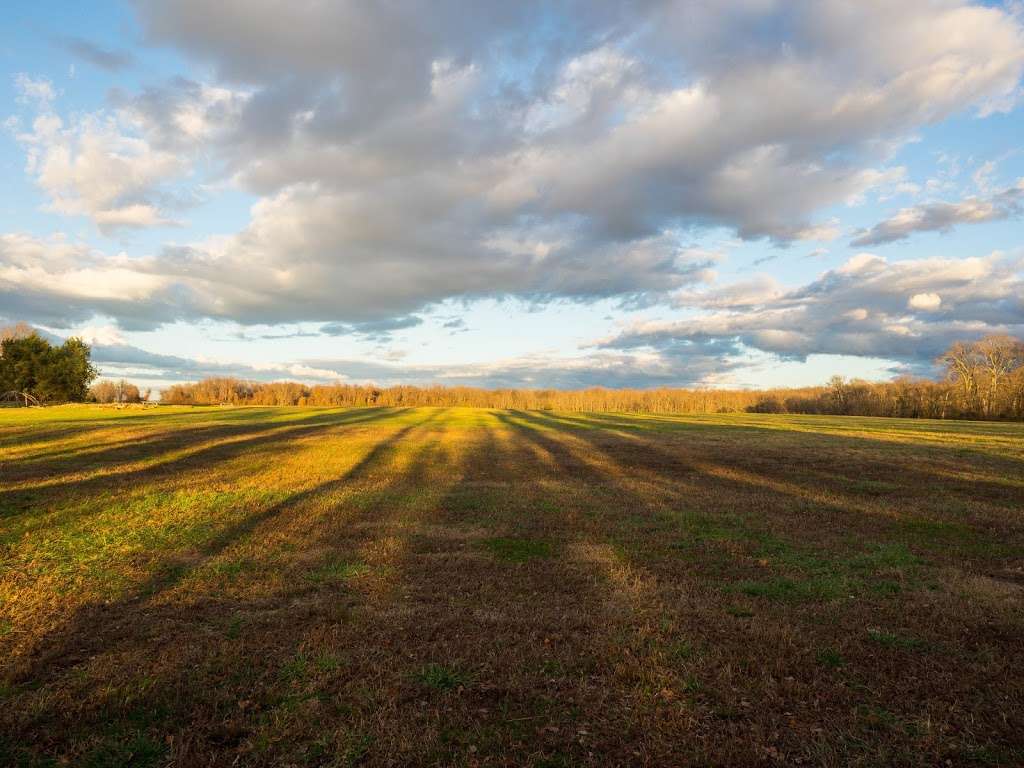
(107, 391)
(770, 404)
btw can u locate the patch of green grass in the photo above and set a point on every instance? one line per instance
(231, 569)
(893, 640)
(886, 588)
(692, 685)
(937, 530)
(884, 557)
(700, 528)
(681, 650)
(518, 550)
(296, 668)
(813, 589)
(135, 750)
(784, 553)
(356, 750)
(552, 668)
(831, 658)
(234, 628)
(439, 677)
(327, 663)
(813, 576)
(338, 570)
(476, 502)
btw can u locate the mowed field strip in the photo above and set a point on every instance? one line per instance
(430, 586)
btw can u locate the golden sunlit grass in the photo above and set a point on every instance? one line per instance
(328, 587)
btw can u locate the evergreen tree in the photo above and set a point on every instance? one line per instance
(31, 365)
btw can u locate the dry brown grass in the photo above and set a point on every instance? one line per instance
(316, 587)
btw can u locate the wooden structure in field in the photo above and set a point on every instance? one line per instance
(19, 398)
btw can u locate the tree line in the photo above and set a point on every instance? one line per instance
(984, 380)
(120, 391)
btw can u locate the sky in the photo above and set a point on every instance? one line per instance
(556, 193)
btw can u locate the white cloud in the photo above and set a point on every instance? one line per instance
(679, 115)
(928, 302)
(907, 311)
(445, 150)
(38, 91)
(61, 283)
(118, 167)
(94, 167)
(943, 216)
(106, 335)
(982, 177)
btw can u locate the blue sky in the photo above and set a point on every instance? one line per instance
(551, 194)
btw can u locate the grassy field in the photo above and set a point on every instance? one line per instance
(316, 587)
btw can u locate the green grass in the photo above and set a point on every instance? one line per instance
(821, 588)
(895, 640)
(316, 586)
(830, 657)
(439, 677)
(338, 570)
(517, 550)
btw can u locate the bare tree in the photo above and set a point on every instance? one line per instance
(962, 366)
(998, 357)
(982, 370)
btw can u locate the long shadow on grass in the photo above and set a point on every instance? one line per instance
(77, 640)
(14, 433)
(164, 428)
(527, 637)
(552, 569)
(922, 436)
(780, 471)
(152, 627)
(190, 449)
(147, 433)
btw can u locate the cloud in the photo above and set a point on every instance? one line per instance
(61, 283)
(942, 217)
(111, 61)
(97, 167)
(57, 282)
(38, 91)
(120, 166)
(902, 311)
(375, 330)
(182, 115)
(404, 155)
(928, 302)
(906, 311)
(108, 335)
(598, 368)
(747, 293)
(435, 149)
(116, 360)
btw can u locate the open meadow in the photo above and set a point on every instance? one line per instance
(387, 586)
